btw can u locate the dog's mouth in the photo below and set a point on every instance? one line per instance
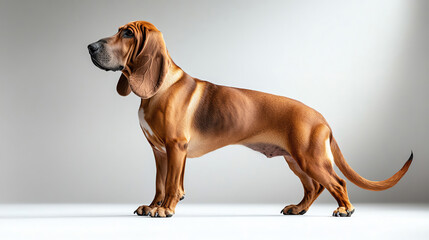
(98, 64)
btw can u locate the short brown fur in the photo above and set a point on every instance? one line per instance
(184, 117)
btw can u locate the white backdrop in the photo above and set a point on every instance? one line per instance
(66, 136)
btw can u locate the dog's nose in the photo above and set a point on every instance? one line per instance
(94, 47)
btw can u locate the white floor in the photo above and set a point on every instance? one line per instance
(110, 221)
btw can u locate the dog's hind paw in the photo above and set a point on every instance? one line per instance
(343, 212)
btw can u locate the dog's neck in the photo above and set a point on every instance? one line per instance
(174, 74)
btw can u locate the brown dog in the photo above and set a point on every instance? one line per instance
(182, 117)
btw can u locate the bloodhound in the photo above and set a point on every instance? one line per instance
(182, 117)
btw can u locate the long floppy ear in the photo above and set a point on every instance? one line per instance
(150, 65)
(123, 88)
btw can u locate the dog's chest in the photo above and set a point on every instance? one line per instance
(149, 133)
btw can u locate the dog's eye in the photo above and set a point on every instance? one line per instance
(128, 33)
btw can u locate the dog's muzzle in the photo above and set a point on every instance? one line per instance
(100, 57)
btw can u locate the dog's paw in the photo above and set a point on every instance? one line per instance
(343, 212)
(293, 210)
(145, 210)
(162, 212)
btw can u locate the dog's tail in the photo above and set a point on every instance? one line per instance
(355, 178)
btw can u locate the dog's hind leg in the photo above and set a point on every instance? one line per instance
(317, 162)
(312, 190)
(336, 186)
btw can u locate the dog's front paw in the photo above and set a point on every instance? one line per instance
(162, 212)
(293, 210)
(145, 210)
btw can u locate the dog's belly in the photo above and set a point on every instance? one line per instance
(270, 144)
(269, 150)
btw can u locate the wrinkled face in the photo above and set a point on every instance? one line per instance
(138, 50)
(112, 53)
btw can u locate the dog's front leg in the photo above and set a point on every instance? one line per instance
(161, 173)
(176, 156)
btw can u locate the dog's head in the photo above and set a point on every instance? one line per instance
(138, 49)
